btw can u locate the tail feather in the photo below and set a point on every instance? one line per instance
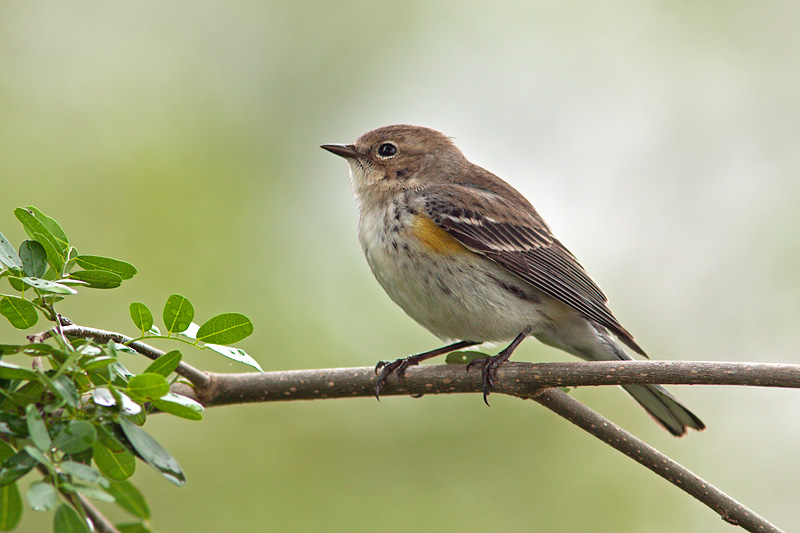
(660, 404)
(665, 408)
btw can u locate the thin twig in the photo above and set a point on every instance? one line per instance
(197, 377)
(729, 509)
(100, 522)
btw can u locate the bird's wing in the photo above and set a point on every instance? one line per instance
(519, 241)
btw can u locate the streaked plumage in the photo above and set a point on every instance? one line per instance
(519, 240)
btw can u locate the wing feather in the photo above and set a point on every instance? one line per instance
(520, 242)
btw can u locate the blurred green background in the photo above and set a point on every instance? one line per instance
(659, 139)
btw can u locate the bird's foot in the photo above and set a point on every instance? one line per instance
(398, 367)
(489, 366)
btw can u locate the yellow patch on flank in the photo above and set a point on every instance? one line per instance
(434, 237)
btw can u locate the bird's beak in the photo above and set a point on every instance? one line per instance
(344, 150)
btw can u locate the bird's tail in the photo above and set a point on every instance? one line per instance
(660, 404)
(665, 408)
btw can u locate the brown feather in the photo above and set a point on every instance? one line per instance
(520, 242)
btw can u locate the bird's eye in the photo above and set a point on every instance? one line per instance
(387, 150)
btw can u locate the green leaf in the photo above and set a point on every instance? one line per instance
(8, 255)
(13, 425)
(9, 349)
(68, 520)
(6, 451)
(87, 347)
(129, 499)
(463, 358)
(115, 465)
(38, 455)
(34, 258)
(178, 405)
(128, 406)
(66, 281)
(19, 311)
(41, 496)
(84, 473)
(138, 419)
(71, 256)
(90, 492)
(123, 269)
(107, 439)
(52, 226)
(95, 363)
(46, 285)
(127, 349)
(141, 316)
(102, 396)
(38, 348)
(147, 386)
(10, 507)
(97, 279)
(48, 233)
(37, 428)
(76, 437)
(236, 354)
(226, 328)
(12, 371)
(55, 257)
(15, 467)
(153, 453)
(31, 391)
(17, 284)
(65, 388)
(166, 364)
(178, 313)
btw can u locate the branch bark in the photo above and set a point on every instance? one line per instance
(513, 378)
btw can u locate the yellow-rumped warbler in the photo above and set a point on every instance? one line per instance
(470, 259)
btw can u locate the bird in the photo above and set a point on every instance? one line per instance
(468, 257)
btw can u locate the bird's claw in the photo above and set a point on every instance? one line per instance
(387, 368)
(489, 366)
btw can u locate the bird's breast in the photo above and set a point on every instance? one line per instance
(451, 291)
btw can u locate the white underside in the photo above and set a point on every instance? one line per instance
(457, 296)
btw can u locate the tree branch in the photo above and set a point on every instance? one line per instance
(534, 381)
(529, 381)
(513, 378)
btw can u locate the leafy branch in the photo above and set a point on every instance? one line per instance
(74, 416)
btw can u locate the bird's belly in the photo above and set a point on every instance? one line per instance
(455, 294)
